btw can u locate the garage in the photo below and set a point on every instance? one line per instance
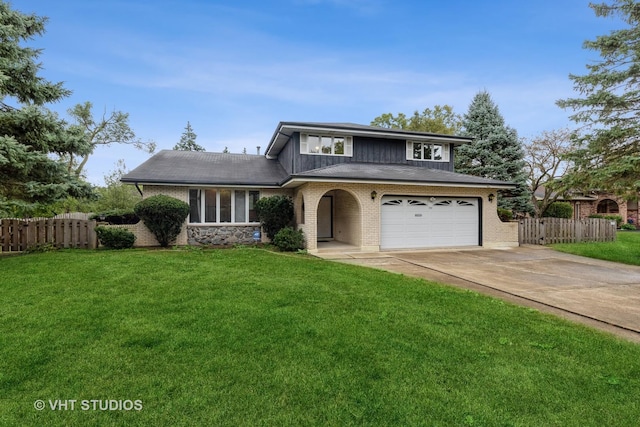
(426, 222)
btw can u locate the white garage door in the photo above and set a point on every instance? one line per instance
(424, 222)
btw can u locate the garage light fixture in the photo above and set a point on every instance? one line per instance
(374, 195)
(491, 197)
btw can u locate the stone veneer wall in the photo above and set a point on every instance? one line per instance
(221, 234)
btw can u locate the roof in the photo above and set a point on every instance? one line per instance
(172, 167)
(373, 172)
(285, 130)
(570, 196)
(202, 168)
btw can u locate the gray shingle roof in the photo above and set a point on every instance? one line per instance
(398, 173)
(192, 167)
(197, 168)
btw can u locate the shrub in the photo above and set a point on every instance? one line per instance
(628, 227)
(274, 213)
(289, 240)
(40, 248)
(163, 216)
(616, 218)
(115, 238)
(505, 215)
(558, 210)
(117, 217)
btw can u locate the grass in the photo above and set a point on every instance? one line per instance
(626, 248)
(251, 337)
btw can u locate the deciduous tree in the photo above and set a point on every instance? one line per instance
(105, 130)
(546, 165)
(441, 120)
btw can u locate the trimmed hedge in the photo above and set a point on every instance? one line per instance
(558, 210)
(117, 217)
(616, 218)
(163, 216)
(289, 240)
(115, 238)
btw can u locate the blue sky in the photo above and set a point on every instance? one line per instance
(234, 69)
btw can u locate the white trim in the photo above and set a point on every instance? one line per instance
(203, 206)
(347, 145)
(256, 187)
(421, 184)
(444, 147)
(399, 135)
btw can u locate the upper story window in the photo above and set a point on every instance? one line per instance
(427, 151)
(327, 145)
(221, 205)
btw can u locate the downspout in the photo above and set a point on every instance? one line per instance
(139, 190)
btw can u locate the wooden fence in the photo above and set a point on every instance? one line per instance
(19, 234)
(546, 231)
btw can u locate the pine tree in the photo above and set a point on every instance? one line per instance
(609, 154)
(32, 138)
(188, 140)
(495, 152)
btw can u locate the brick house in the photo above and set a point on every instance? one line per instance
(369, 187)
(602, 203)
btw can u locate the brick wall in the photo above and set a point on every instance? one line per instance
(357, 221)
(357, 197)
(587, 208)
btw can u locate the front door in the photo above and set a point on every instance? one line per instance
(325, 218)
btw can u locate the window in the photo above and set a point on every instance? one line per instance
(218, 206)
(326, 145)
(427, 151)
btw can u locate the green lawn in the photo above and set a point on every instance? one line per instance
(251, 337)
(626, 248)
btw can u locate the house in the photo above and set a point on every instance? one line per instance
(369, 187)
(589, 203)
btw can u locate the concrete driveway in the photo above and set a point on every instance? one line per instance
(600, 294)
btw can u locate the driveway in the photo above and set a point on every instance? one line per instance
(601, 294)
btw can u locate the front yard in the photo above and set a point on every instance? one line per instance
(626, 248)
(251, 337)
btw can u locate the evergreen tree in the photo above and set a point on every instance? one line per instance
(495, 152)
(188, 141)
(32, 138)
(609, 154)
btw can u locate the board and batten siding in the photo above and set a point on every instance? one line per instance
(365, 150)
